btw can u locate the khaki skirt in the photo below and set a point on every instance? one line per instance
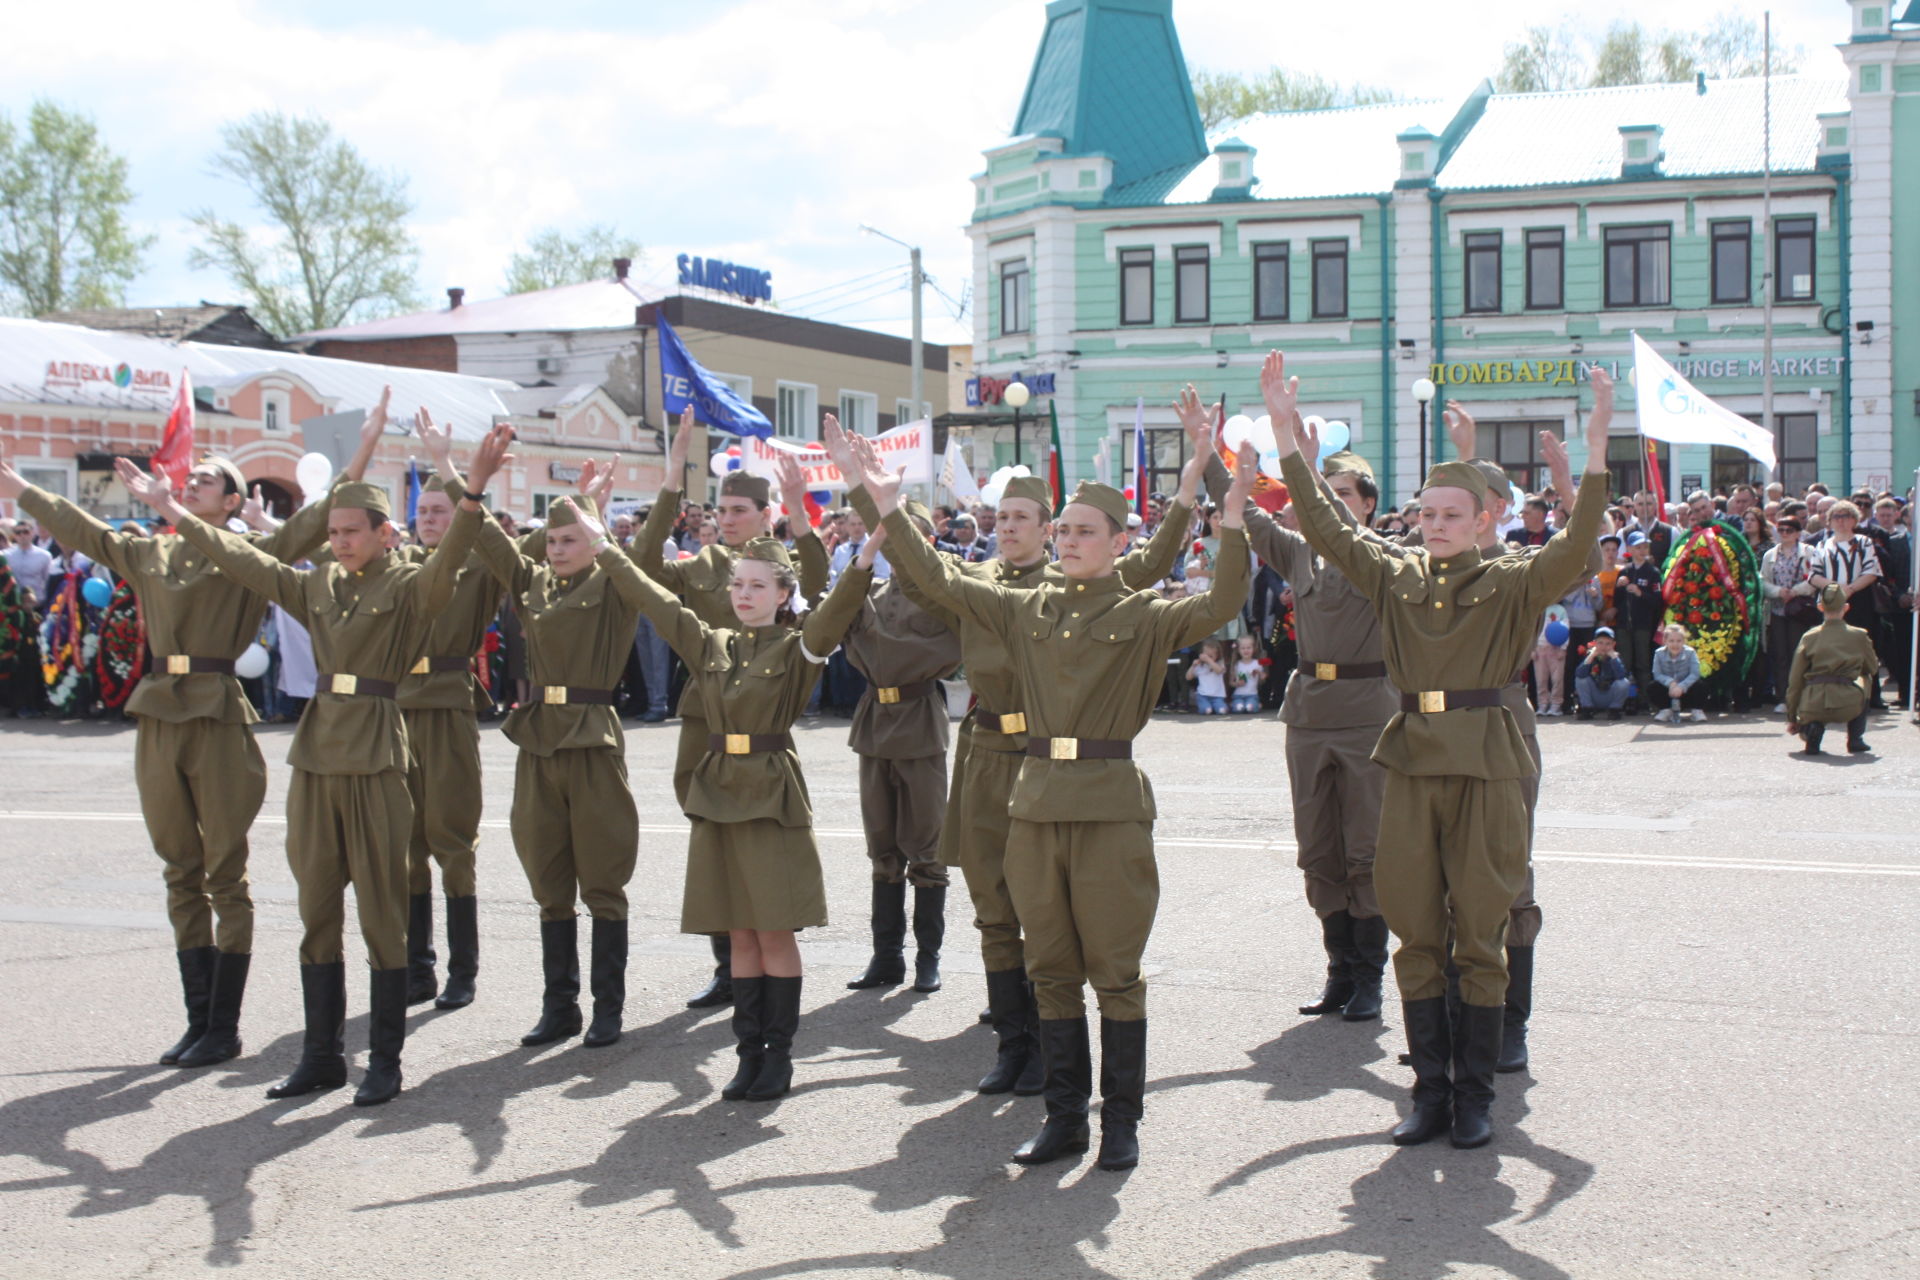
(752, 875)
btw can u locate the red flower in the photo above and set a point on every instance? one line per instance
(1694, 617)
(1714, 616)
(1715, 592)
(1693, 588)
(1266, 662)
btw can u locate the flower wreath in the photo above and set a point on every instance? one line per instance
(122, 657)
(1712, 587)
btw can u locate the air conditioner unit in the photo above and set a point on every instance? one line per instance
(548, 364)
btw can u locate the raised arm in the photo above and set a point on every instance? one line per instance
(72, 526)
(1271, 541)
(826, 626)
(1197, 617)
(648, 546)
(1550, 574)
(811, 562)
(372, 427)
(1363, 560)
(246, 564)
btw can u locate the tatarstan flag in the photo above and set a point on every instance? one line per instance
(1056, 463)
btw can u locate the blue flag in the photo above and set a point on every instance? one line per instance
(413, 489)
(684, 382)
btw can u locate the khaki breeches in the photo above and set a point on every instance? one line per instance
(752, 875)
(903, 804)
(443, 777)
(350, 829)
(1086, 893)
(201, 783)
(1451, 846)
(1524, 926)
(576, 830)
(1337, 790)
(976, 841)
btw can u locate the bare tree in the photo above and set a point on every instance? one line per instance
(64, 238)
(555, 258)
(1225, 97)
(339, 249)
(1732, 46)
(1544, 60)
(1630, 54)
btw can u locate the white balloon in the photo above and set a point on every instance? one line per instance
(1315, 422)
(312, 473)
(1236, 433)
(1335, 436)
(1020, 470)
(718, 464)
(1261, 438)
(252, 664)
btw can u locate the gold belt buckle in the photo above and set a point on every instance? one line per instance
(1325, 671)
(1015, 723)
(179, 664)
(421, 668)
(554, 695)
(888, 696)
(1063, 748)
(344, 684)
(1433, 700)
(739, 744)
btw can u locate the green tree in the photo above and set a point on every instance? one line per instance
(339, 249)
(1543, 60)
(1630, 54)
(1732, 46)
(1553, 58)
(555, 258)
(1225, 97)
(64, 238)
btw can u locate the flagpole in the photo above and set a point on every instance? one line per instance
(1767, 282)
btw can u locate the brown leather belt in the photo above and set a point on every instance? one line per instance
(1434, 700)
(1015, 723)
(441, 662)
(179, 664)
(888, 695)
(743, 744)
(1833, 680)
(561, 695)
(1345, 670)
(360, 686)
(1080, 748)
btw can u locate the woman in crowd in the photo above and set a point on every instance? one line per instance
(1758, 688)
(1786, 571)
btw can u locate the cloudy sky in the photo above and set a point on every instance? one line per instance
(762, 131)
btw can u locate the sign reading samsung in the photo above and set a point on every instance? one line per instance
(749, 283)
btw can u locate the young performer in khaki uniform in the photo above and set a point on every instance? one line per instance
(1833, 668)
(348, 812)
(1453, 834)
(993, 739)
(742, 514)
(199, 772)
(1091, 656)
(900, 735)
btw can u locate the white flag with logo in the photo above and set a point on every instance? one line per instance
(1672, 409)
(956, 475)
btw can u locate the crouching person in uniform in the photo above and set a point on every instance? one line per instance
(1833, 668)
(1091, 655)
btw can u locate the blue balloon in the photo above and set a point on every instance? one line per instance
(97, 592)
(1335, 436)
(1557, 633)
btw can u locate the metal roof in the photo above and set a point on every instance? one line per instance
(1342, 151)
(568, 308)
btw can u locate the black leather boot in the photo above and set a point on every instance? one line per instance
(749, 1037)
(1519, 1007)
(222, 1038)
(1368, 968)
(609, 982)
(1476, 1048)
(323, 1059)
(1033, 1077)
(560, 963)
(196, 986)
(1069, 1065)
(779, 1020)
(720, 989)
(1430, 1046)
(888, 967)
(386, 1034)
(1123, 1091)
(1011, 1003)
(422, 985)
(929, 932)
(1813, 733)
(463, 953)
(1336, 935)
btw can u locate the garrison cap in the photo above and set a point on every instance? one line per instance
(1498, 483)
(740, 484)
(771, 550)
(236, 483)
(1833, 596)
(568, 510)
(917, 512)
(1346, 461)
(1458, 475)
(1104, 498)
(1033, 489)
(368, 497)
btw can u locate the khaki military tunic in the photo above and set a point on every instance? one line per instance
(702, 582)
(1834, 652)
(1091, 657)
(1333, 718)
(575, 827)
(751, 858)
(986, 762)
(900, 733)
(199, 771)
(348, 812)
(1453, 832)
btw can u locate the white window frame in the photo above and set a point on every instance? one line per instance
(868, 421)
(808, 428)
(741, 383)
(37, 471)
(276, 411)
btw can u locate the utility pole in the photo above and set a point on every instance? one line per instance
(1768, 246)
(919, 375)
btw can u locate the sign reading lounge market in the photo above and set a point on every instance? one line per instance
(1570, 372)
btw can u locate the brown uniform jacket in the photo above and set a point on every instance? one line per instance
(372, 623)
(1456, 624)
(1831, 649)
(894, 642)
(702, 580)
(753, 681)
(1091, 658)
(192, 607)
(457, 632)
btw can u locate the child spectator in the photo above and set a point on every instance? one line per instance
(1676, 670)
(1249, 673)
(1209, 676)
(1601, 679)
(1636, 596)
(1582, 604)
(1550, 665)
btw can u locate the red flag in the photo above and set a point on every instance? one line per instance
(174, 457)
(1656, 481)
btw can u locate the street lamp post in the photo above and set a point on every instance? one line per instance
(1423, 391)
(1017, 394)
(919, 279)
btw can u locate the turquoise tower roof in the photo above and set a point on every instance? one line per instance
(1109, 79)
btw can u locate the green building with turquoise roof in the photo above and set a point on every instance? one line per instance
(1492, 246)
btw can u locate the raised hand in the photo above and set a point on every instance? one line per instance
(12, 483)
(1553, 451)
(793, 486)
(150, 489)
(375, 422)
(1194, 415)
(490, 457)
(1281, 392)
(876, 538)
(1246, 471)
(1461, 429)
(596, 481)
(839, 446)
(881, 483)
(677, 449)
(1307, 436)
(1600, 419)
(437, 439)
